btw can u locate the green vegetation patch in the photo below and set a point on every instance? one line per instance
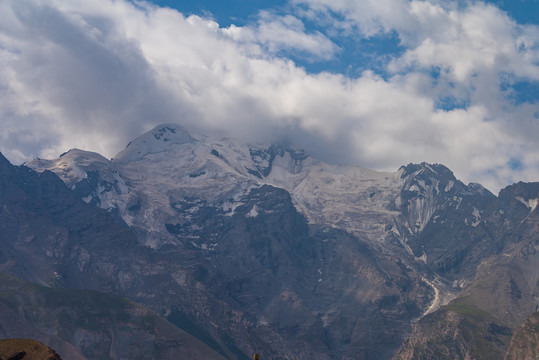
(466, 306)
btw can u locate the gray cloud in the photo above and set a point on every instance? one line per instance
(78, 83)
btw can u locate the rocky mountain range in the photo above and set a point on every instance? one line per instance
(192, 242)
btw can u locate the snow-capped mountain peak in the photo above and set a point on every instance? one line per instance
(72, 166)
(154, 141)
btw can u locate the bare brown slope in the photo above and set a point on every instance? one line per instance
(26, 349)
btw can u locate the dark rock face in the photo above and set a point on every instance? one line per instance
(263, 159)
(444, 219)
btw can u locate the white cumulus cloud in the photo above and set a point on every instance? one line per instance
(95, 74)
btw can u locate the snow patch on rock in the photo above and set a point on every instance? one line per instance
(530, 203)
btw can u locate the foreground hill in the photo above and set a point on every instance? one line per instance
(86, 324)
(26, 349)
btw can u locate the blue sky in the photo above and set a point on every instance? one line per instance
(523, 11)
(375, 83)
(238, 12)
(225, 12)
(356, 53)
